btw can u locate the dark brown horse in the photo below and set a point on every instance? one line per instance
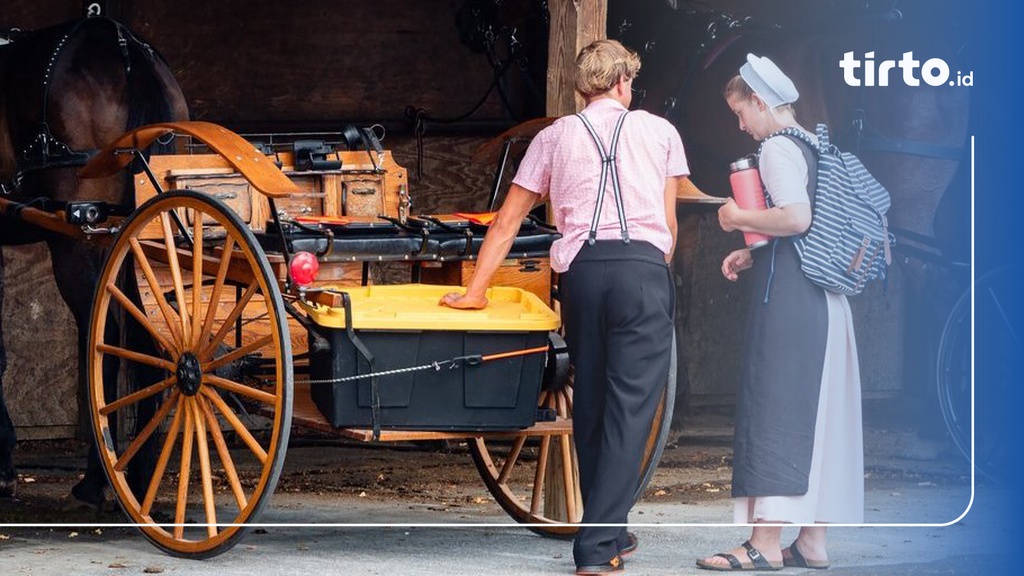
(912, 138)
(65, 92)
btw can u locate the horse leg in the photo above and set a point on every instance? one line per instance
(76, 265)
(8, 478)
(76, 271)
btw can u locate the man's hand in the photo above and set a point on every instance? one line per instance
(463, 301)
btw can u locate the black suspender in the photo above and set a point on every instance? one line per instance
(607, 166)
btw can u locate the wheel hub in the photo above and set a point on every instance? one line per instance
(189, 374)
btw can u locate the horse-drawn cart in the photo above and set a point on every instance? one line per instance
(210, 338)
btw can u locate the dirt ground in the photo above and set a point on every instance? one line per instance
(694, 469)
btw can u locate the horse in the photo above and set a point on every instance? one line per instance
(65, 92)
(911, 138)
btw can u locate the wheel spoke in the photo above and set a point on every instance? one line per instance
(565, 444)
(136, 357)
(165, 455)
(247, 391)
(1003, 316)
(185, 470)
(205, 475)
(538, 478)
(229, 322)
(543, 397)
(179, 285)
(151, 426)
(197, 275)
(561, 405)
(218, 287)
(238, 353)
(510, 461)
(237, 424)
(225, 455)
(170, 316)
(140, 316)
(137, 396)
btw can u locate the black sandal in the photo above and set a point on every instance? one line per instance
(797, 560)
(757, 562)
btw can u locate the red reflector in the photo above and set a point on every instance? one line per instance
(304, 268)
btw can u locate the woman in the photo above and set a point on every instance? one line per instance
(617, 293)
(798, 449)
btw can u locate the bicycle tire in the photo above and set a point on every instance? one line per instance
(977, 402)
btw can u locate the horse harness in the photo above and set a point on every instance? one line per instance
(46, 151)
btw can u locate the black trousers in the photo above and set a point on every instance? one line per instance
(617, 307)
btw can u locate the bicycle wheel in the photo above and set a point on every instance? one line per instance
(978, 410)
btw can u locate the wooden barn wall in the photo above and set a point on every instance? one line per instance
(257, 64)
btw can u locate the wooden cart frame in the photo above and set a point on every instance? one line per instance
(215, 369)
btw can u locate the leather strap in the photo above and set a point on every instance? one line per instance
(366, 139)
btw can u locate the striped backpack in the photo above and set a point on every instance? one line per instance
(848, 243)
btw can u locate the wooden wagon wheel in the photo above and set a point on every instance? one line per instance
(209, 306)
(535, 478)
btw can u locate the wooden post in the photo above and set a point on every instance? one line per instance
(574, 24)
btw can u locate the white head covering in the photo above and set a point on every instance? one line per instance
(768, 82)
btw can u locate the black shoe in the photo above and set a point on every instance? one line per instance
(631, 547)
(613, 566)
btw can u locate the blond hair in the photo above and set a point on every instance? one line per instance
(602, 65)
(738, 87)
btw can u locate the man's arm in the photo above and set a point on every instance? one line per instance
(495, 248)
(671, 187)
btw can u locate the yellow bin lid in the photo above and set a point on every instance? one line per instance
(415, 307)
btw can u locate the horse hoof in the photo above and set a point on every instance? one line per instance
(89, 495)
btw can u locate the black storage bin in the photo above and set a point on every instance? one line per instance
(495, 394)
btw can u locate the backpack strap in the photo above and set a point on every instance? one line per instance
(607, 166)
(810, 152)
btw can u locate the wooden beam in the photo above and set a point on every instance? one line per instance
(574, 24)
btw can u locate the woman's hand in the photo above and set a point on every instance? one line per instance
(736, 262)
(728, 215)
(463, 301)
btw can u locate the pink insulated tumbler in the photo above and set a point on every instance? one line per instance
(749, 194)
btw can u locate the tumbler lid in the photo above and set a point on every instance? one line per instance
(749, 161)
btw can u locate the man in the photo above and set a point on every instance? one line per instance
(616, 288)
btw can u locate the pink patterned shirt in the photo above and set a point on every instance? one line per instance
(562, 162)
